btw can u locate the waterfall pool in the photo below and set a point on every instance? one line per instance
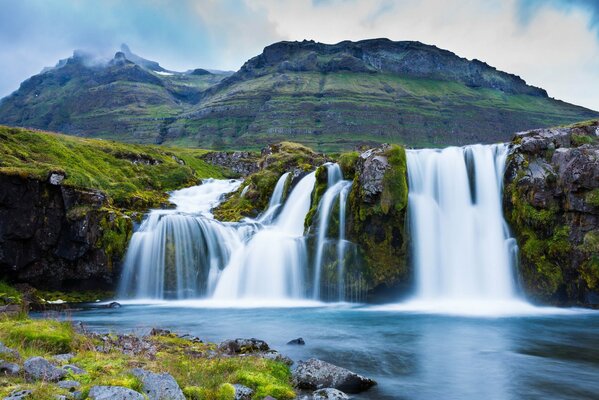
(534, 353)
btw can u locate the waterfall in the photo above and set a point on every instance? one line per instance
(176, 253)
(337, 189)
(276, 199)
(461, 246)
(271, 264)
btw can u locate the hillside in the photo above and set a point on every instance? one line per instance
(330, 97)
(133, 176)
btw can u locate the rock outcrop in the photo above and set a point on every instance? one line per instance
(242, 163)
(551, 200)
(317, 374)
(55, 236)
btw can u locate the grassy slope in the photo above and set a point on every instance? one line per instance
(105, 165)
(337, 111)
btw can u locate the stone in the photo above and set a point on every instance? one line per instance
(371, 168)
(159, 386)
(298, 341)
(243, 392)
(56, 178)
(317, 374)
(8, 368)
(63, 357)
(74, 369)
(69, 385)
(8, 351)
(329, 394)
(113, 393)
(243, 346)
(40, 369)
(19, 395)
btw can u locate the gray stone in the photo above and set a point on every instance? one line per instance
(40, 368)
(56, 178)
(329, 394)
(74, 369)
(243, 392)
(19, 395)
(317, 374)
(159, 386)
(371, 168)
(299, 341)
(243, 346)
(113, 393)
(77, 395)
(63, 357)
(69, 385)
(8, 368)
(7, 350)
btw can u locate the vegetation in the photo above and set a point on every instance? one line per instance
(133, 176)
(201, 375)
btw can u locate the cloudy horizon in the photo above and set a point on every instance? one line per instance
(553, 44)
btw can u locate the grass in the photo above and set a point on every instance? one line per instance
(130, 174)
(9, 295)
(198, 373)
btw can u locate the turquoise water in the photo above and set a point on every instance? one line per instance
(544, 354)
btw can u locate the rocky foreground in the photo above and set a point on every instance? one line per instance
(47, 359)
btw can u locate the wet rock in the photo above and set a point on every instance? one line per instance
(63, 357)
(159, 386)
(9, 369)
(298, 341)
(243, 392)
(243, 346)
(160, 332)
(371, 168)
(114, 304)
(71, 386)
(74, 369)
(113, 393)
(40, 369)
(19, 395)
(317, 374)
(329, 394)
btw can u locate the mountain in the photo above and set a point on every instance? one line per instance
(330, 97)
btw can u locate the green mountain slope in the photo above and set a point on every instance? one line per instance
(330, 97)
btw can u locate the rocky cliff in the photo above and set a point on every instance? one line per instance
(551, 200)
(55, 236)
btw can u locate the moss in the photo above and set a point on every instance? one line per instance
(116, 230)
(579, 140)
(46, 336)
(88, 296)
(347, 163)
(320, 187)
(592, 197)
(9, 295)
(395, 185)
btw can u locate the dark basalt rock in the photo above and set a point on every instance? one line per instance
(298, 341)
(51, 235)
(551, 200)
(317, 374)
(243, 346)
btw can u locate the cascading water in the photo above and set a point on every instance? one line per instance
(337, 190)
(462, 250)
(271, 264)
(176, 253)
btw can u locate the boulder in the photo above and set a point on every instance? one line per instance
(243, 392)
(329, 394)
(113, 393)
(371, 168)
(8, 351)
(61, 358)
(298, 341)
(317, 374)
(8, 368)
(69, 385)
(159, 386)
(19, 395)
(74, 369)
(40, 369)
(243, 346)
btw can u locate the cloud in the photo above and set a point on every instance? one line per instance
(553, 44)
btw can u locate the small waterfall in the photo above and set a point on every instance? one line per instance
(337, 190)
(275, 200)
(176, 253)
(461, 245)
(271, 264)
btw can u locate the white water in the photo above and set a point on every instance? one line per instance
(337, 190)
(275, 200)
(462, 251)
(271, 264)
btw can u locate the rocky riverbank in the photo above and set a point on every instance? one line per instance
(47, 359)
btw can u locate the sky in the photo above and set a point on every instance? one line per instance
(553, 44)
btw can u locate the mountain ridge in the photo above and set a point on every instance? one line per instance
(329, 96)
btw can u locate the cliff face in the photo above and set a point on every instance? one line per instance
(54, 236)
(551, 199)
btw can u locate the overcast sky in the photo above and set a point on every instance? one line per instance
(553, 44)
